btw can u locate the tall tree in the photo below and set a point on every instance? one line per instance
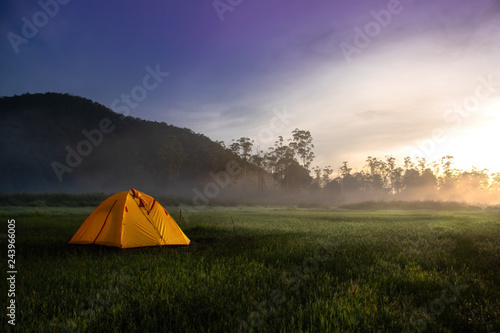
(221, 143)
(235, 147)
(447, 179)
(408, 163)
(422, 164)
(317, 176)
(283, 156)
(302, 146)
(243, 148)
(345, 170)
(245, 152)
(394, 174)
(474, 180)
(171, 155)
(325, 178)
(259, 161)
(271, 164)
(376, 177)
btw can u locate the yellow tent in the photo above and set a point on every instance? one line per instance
(130, 219)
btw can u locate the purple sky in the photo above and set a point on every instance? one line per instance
(426, 73)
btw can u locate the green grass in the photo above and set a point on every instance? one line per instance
(285, 270)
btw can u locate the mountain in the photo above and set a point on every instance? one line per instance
(62, 143)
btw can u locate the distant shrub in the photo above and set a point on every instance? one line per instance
(52, 199)
(427, 204)
(494, 207)
(312, 206)
(37, 203)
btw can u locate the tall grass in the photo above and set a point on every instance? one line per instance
(279, 270)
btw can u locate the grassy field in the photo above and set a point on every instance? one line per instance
(277, 270)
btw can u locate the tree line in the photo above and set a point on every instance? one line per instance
(420, 179)
(287, 166)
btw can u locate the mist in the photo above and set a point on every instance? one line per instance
(58, 143)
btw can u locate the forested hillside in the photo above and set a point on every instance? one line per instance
(62, 143)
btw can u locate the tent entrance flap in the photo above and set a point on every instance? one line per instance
(105, 221)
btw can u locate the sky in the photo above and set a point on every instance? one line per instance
(417, 78)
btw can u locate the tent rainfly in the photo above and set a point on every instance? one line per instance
(130, 219)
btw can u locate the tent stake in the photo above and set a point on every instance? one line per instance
(234, 230)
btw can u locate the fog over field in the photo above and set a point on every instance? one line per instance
(365, 78)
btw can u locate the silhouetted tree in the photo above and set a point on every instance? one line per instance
(296, 176)
(333, 190)
(411, 179)
(259, 161)
(172, 155)
(474, 180)
(243, 148)
(395, 175)
(302, 146)
(351, 183)
(283, 156)
(317, 176)
(325, 177)
(376, 176)
(345, 170)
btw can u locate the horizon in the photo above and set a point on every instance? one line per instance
(369, 78)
